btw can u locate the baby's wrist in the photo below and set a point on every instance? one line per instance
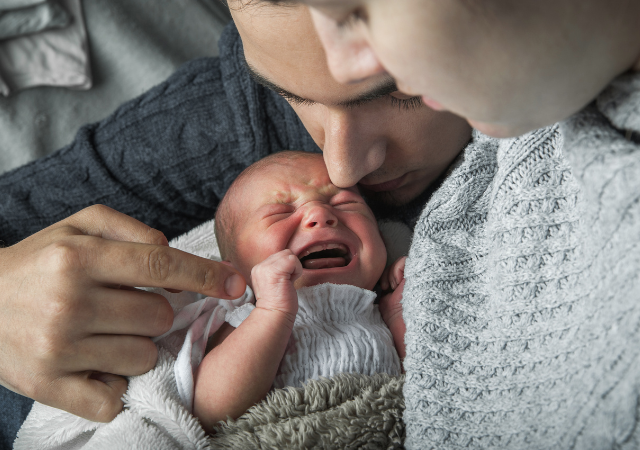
(288, 317)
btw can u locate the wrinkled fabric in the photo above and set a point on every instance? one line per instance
(40, 17)
(55, 57)
(202, 319)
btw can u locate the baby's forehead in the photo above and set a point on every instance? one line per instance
(286, 185)
(285, 181)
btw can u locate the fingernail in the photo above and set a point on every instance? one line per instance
(234, 286)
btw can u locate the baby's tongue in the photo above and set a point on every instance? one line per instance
(324, 263)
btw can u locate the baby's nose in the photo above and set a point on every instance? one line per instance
(319, 216)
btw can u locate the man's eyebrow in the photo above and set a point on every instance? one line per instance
(383, 89)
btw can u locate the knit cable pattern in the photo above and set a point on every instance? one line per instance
(522, 299)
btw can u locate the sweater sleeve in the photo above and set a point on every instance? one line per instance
(165, 158)
(145, 160)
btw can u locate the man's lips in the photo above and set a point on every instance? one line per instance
(386, 186)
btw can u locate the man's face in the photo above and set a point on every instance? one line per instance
(293, 205)
(370, 134)
(507, 66)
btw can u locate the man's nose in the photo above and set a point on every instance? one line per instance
(319, 216)
(349, 56)
(353, 147)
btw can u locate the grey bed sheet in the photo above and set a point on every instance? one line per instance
(133, 45)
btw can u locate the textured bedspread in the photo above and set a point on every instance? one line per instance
(133, 45)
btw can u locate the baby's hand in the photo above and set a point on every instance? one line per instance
(393, 275)
(390, 304)
(273, 283)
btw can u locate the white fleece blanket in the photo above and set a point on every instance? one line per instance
(156, 415)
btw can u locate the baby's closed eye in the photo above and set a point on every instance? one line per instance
(275, 210)
(347, 200)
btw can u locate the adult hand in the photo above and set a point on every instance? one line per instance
(72, 325)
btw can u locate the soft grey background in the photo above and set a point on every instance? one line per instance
(134, 45)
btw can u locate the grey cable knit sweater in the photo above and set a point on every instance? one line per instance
(522, 300)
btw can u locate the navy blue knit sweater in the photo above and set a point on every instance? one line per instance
(165, 158)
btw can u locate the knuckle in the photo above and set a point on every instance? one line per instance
(58, 321)
(62, 257)
(156, 237)
(30, 391)
(109, 406)
(97, 210)
(164, 317)
(58, 311)
(257, 271)
(149, 355)
(93, 212)
(30, 388)
(51, 349)
(159, 264)
(210, 279)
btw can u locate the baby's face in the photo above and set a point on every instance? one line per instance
(293, 205)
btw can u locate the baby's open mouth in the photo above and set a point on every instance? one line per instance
(325, 256)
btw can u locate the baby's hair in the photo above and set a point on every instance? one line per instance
(225, 221)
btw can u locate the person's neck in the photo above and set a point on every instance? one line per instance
(620, 25)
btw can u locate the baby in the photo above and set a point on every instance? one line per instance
(289, 231)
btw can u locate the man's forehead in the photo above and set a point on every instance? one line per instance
(282, 52)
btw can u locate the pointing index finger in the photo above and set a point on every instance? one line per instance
(136, 264)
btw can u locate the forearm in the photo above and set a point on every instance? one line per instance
(162, 158)
(240, 371)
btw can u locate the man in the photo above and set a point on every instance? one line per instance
(524, 291)
(70, 322)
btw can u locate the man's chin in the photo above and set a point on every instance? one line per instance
(398, 204)
(389, 199)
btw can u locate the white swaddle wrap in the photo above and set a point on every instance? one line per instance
(338, 328)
